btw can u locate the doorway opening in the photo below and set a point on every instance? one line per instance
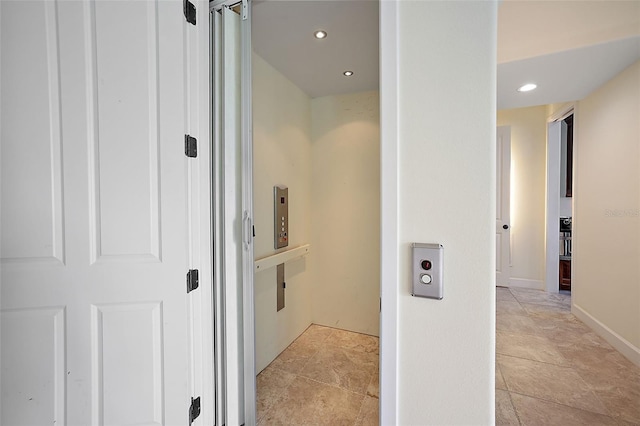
(559, 211)
(316, 151)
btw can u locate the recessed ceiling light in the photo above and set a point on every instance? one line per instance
(348, 73)
(320, 34)
(527, 87)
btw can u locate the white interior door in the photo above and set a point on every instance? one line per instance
(95, 216)
(503, 220)
(555, 132)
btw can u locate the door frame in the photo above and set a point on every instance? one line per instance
(389, 265)
(235, 364)
(552, 210)
(389, 224)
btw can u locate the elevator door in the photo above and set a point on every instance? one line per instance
(233, 259)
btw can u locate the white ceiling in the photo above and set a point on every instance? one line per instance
(564, 76)
(569, 48)
(282, 34)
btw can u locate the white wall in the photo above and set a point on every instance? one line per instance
(345, 211)
(446, 68)
(282, 156)
(606, 245)
(528, 187)
(326, 150)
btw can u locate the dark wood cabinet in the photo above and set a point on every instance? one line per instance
(565, 274)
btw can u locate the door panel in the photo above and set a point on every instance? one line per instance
(123, 96)
(32, 227)
(35, 338)
(127, 369)
(95, 218)
(503, 220)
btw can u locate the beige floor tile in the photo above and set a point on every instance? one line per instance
(374, 385)
(270, 383)
(350, 369)
(603, 366)
(503, 294)
(516, 324)
(528, 346)
(622, 400)
(350, 340)
(505, 413)
(510, 308)
(499, 380)
(369, 412)
(536, 412)
(294, 358)
(307, 402)
(563, 337)
(549, 382)
(541, 297)
(546, 311)
(561, 326)
(315, 334)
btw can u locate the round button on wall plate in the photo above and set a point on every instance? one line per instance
(425, 279)
(425, 264)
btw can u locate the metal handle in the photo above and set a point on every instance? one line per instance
(505, 226)
(247, 231)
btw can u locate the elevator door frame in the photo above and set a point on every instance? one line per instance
(236, 386)
(389, 265)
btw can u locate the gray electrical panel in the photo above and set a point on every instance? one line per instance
(280, 287)
(427, 270)
(281, 216)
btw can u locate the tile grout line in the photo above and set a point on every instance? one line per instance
(515, 410)
(548, 401)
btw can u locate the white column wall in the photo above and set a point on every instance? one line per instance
(446, 170)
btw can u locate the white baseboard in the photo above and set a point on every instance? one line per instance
(526, 283)
(620, 343)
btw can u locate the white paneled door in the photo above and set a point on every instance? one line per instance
(503, 216)
(96, 213)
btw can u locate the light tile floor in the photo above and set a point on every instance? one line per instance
(325, 377)
(551, 369)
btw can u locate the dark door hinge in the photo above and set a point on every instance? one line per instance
(190, 12)
(192, 280)
(194, 410)
(190, 146)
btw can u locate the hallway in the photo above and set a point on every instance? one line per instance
(551, 369)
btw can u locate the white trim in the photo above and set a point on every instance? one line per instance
(272, 260)
(248, 309)
(389, 246)
(526, 283)
(625, 347)
(561, 113)
(217, 206)
(219, 4)
(203, 215)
